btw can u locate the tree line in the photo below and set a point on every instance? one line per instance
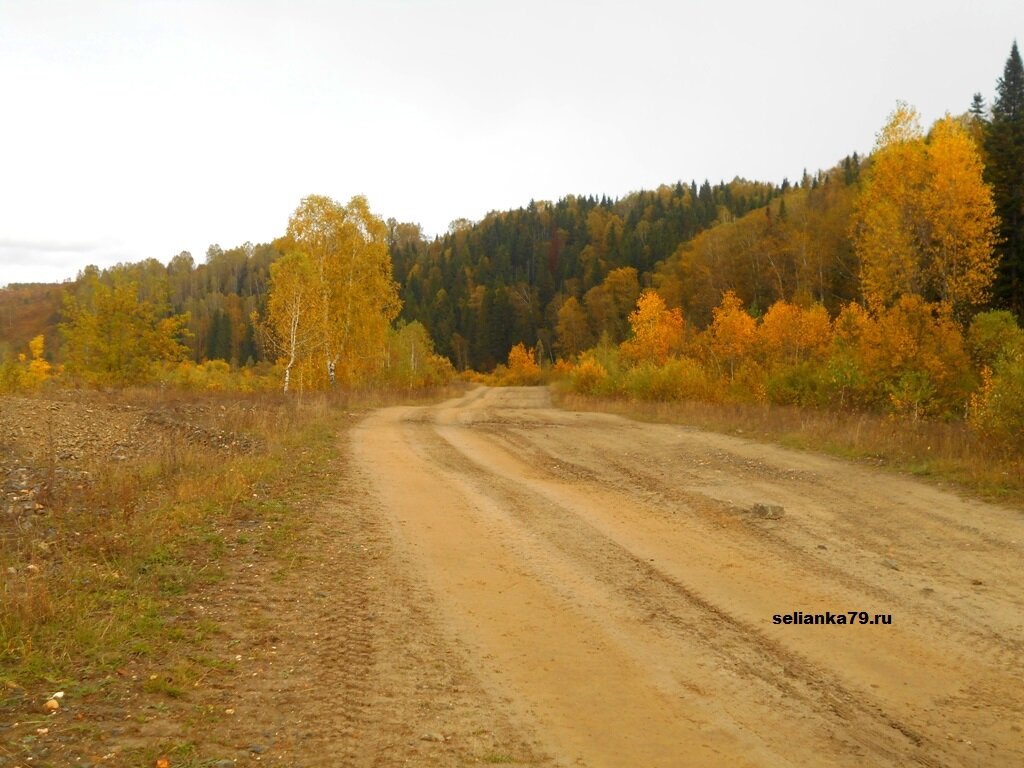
(565, 276)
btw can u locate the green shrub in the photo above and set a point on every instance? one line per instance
(678, 379)
(994, 335)
(997, 410)
(801, 384)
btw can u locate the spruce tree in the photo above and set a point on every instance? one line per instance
(977, 110)
(1004, 147)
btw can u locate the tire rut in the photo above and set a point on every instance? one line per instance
(596, 570)
(668, 604)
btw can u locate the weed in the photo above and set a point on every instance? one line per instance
(165, 686)
(498, 758)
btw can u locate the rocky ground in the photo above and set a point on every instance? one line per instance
(49, 444)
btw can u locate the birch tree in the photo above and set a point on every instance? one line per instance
(290, 329)
(924, 223)
(339, 296)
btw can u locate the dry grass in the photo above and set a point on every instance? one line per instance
(107, 593)
(99, 578)
(941, 451)
(95, 580)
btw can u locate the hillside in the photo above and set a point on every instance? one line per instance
(27, 310)
(485, 286)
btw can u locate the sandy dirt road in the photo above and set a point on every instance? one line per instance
(610, 592)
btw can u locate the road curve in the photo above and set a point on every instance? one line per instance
(612, 588)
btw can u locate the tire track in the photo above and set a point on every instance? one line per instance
(667, 603)
(623, 633)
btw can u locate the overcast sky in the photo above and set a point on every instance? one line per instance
(131, 130)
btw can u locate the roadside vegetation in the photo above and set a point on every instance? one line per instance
(132, 507)
(96, 551)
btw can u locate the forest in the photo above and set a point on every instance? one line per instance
(892, 282)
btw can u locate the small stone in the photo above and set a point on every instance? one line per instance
(892, 564)
(256, 749)
(432, 737)
(224, 764)
(768, 511)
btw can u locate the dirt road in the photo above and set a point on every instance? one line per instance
(606, 586)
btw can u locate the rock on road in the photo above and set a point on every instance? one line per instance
(614, 593)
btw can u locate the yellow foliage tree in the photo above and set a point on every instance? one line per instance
(924, 223)
(573, 330)
(657, 331)
(522, 367)
(336, 296)
(732, 333)
(914, 359)
(960, 209)
(589, 376)
(412, 361)
(38, 369)
(609, 304)
(113, 337)
(291, 324)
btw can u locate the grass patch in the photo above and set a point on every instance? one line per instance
(95, 589)
(98, 578)
(499, 758)
(939, 451)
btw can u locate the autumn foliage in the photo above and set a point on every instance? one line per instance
(657, 332)
(911, 359)
(925, 221)
(922, 232)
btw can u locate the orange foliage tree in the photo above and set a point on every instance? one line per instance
(657, 331)
(732, 332)
(790, 334)
(522, 366)
(913, 359)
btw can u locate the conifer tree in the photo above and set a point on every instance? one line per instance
(977, 110)
(1005, 172)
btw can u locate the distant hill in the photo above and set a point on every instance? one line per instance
(26, 310)
(485, 286)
